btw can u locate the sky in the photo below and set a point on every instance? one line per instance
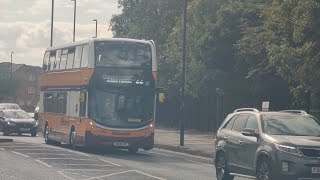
(25, 25)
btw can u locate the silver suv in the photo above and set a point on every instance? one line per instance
(268, 145)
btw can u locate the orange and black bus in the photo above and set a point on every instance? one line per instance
(100, 92)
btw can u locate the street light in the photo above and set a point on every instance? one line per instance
(74, 20)
(96, 27)
(184, 48)
(52, 9)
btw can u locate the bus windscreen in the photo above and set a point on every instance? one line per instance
(122, 54)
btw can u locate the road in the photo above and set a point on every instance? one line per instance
(29, 158)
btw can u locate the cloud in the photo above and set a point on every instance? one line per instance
(25, 25)
(93, 11)
(33, 38)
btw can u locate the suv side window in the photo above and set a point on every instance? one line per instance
(252, 123)
(230, 123)
(240, 122)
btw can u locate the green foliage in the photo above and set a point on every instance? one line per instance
(252, 50)
(8, 87)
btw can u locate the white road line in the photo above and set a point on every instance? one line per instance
(183, 154)
(20, 154)
(80, 153)
(18, 146)
(68, 159)
(38, 150)
(199, 162)
(98, 177)
(110, 162)
(49, 153)
(97, 165)
(149, 175)
(1, 149)
(93, 170)
(65, 176)
(160, 154)
(44, 163)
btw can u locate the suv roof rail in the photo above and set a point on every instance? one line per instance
(295, 112)
(246, 109)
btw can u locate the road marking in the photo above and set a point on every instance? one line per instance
(183, 154)
(68, 159)
(18, 146)
(93, 170)
(1, 149)
(62, 174)
(149, 175)
(49, 153)
(210, 165)
(38, 150)
(160, 154)
(110, 162)
(44, 163)
(98, 165)
(20, 154)
(80, 153)
(98, 177)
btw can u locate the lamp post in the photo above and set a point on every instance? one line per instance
(52, 12)
(96, 27)
(74, 20)
(184, 48)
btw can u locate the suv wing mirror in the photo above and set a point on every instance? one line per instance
(249, 132)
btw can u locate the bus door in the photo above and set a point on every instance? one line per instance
(72, 118)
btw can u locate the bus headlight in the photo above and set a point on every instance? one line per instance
(151, 127)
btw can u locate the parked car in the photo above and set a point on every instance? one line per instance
(9, 106)
(268, 145)
(17, 121)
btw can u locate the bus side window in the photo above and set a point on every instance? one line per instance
(85, 56)
(63, 59)
(77, 57)
(83, 104)
(70, 58)
(45, 61)
(57, 63)
(52, 61)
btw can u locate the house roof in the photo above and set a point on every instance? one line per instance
(14, 66)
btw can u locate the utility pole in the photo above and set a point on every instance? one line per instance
(52, 13)
(74, 20)
(184, 52)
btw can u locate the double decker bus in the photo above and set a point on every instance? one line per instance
(100, 92)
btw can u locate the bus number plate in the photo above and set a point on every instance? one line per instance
(24, 129)
(121, 144)
(316, 170)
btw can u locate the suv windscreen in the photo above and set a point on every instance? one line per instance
(291, 125)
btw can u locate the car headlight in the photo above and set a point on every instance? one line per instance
(11, 123)
(288, 149)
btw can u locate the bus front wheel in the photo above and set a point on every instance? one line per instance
(72, 139)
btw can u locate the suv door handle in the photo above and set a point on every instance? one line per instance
(240, 142)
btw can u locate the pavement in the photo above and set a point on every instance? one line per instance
(195, 142)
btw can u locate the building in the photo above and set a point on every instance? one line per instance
(27, 79)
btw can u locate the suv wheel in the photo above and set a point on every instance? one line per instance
(222, 172)
(264, 169)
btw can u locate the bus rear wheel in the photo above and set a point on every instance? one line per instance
(46, 137)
